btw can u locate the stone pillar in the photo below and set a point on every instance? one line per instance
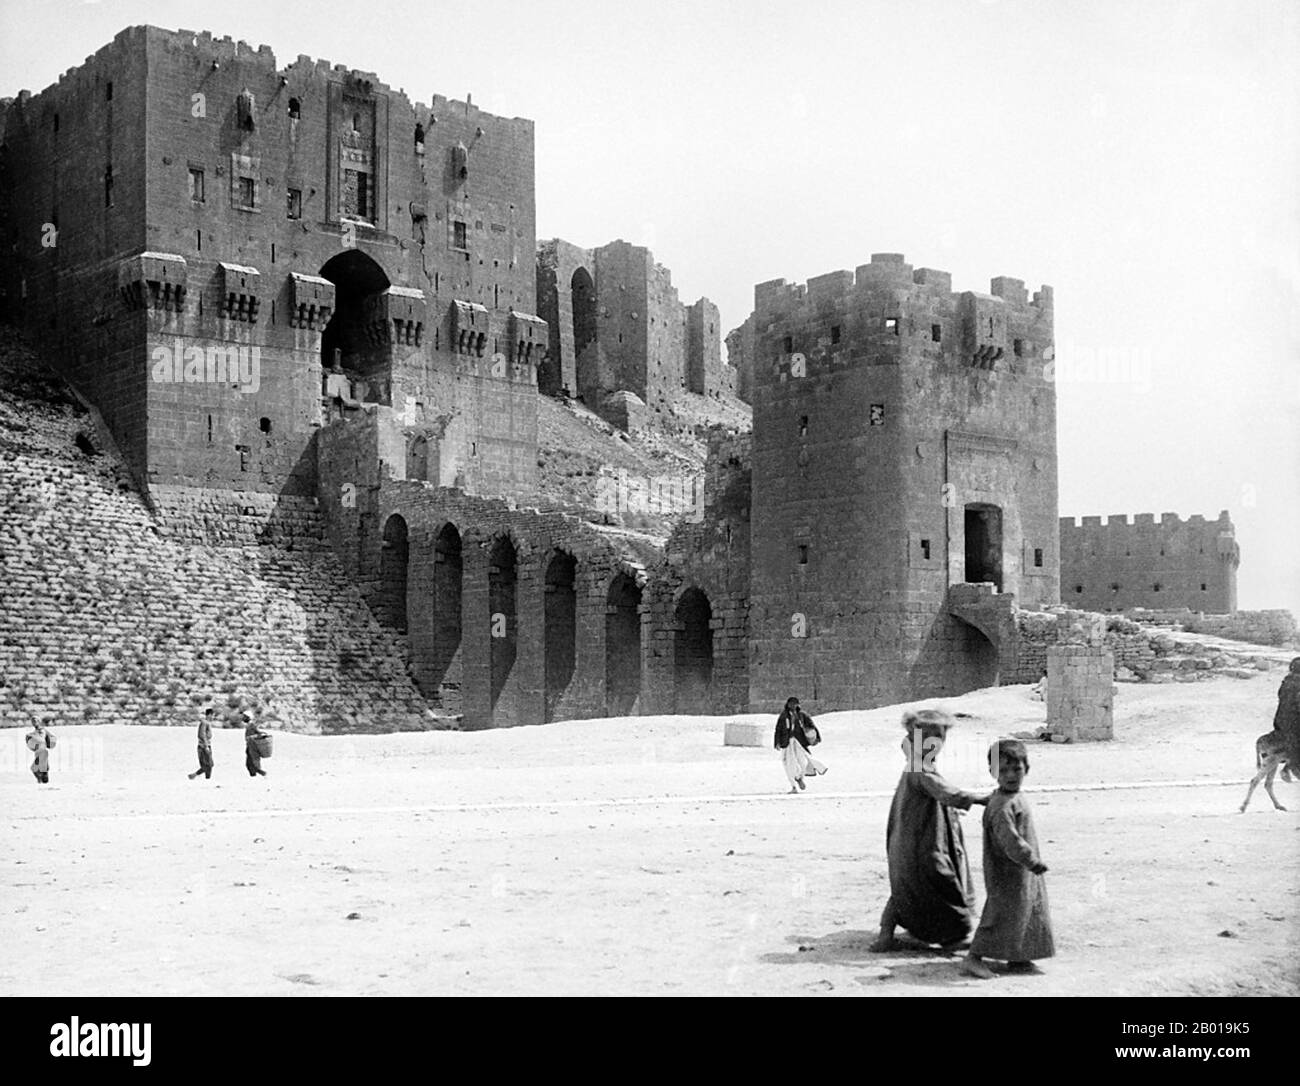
(530, 660)
(1080, 679)
(475, 637)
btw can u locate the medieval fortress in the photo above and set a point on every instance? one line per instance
(307, 324)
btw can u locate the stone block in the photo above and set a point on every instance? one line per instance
(739, 733)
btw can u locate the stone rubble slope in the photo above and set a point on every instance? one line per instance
(108, 616)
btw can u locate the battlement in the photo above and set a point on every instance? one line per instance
(1167, 521)
(886, 311)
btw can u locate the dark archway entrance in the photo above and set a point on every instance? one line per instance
(502, 603)
(983, 544)
(356, 278)
(622, 646)
(583, 294)
(444, 669)
(560, 622)
(393, 557)
(693, 652)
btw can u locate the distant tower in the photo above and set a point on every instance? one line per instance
(904, 452)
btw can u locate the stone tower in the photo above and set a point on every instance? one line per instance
(904, 493)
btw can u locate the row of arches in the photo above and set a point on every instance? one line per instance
(441, 644)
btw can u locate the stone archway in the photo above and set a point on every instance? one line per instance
(692, 652)
(622, 646)
(560, 613)
(346, 341)
(448, 581)
(503, 579)
(394, 556)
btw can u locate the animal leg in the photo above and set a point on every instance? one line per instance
(1268, 787)
(1251, 790)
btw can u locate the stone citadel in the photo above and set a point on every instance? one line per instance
(309, 325)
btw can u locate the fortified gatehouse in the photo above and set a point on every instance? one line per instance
(904, 483)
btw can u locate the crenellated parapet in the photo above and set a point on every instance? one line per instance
(887, 311)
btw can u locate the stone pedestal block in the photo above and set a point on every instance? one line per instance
(1080, 695)
(737, 733)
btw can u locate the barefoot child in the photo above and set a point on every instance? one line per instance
(930, 889)
(1015, 927)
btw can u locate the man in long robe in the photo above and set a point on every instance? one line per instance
(931, 893)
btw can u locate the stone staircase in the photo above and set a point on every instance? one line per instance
(113, 614)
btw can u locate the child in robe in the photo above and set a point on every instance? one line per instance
(1016, 927)
(931, 894)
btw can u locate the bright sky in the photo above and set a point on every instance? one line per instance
(1142, 158)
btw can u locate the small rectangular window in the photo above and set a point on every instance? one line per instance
(803, 426)
(459, 237)
(789, 344)
(936, 332)
(925, 549)
(891, 325)
(1019, 346)
(1038, 556)
(247, 192)
(835, 333)
(876, 417)
(803, 554)
(196, 185)
(108, 92)
(294, 204)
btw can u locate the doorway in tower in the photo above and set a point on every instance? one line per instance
(983, 544)
(349, 343)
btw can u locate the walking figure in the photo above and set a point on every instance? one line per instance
(205, 746)
(254, 739)
(40, 740)
(795, 733)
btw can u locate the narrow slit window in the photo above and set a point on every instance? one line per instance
(196, 185)
(294, 204)
(835, 333)
(789, 344)
(925, 549)
(936, 332)
(803, 426)
(803, 554)
(1038, 557)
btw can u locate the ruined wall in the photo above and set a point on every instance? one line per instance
(740, 358)
(1158, 564)
(887, 411)
(706, 372)
(629, 333)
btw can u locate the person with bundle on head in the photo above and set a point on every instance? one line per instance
(931, 895)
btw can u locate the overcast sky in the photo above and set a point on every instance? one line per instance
(1142, 158)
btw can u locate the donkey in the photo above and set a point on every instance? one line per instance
(1270, 756)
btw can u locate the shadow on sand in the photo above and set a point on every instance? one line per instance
(910, 963)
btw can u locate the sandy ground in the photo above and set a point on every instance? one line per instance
(630, 856)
